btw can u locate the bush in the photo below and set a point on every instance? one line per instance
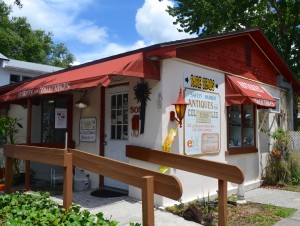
(37, 209)
(277, 170)
(283, 163)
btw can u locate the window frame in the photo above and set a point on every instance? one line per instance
(242, 149)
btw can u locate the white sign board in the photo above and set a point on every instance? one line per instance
(202, 122)
(88, 128)
(60, 118)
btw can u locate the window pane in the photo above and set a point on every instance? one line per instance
(112, 132)
(125, 133)
(119, 117)
(235, 129)
(48, 121)
(119, 132)
(119, 101)
(248, 140)
(125, 101)
(125, 116)
(25, 78)
(113, 102)
(15, 78)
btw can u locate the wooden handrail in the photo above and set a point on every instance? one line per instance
(52, 156)
(221, 171)
(165, 185)
(149, 181)
(204, 167)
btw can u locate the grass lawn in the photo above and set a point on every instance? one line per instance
(257, 214)
(286, 187)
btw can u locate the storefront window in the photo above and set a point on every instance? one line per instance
(241, 128)
(54, 120)
(119, 116)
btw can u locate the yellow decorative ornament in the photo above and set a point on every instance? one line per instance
(167, 147)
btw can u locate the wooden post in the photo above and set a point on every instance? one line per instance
(8, 174)
(68, 179)
(28, 141)
(27, 176)
(222, 215)
(148, 201)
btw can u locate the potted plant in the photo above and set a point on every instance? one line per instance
(9, 127)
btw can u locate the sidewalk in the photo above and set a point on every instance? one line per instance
(123, 209)
(278, 198)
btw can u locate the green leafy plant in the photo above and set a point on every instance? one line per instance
(142, 93)
(282, 162)
(296, 178)
(200, 210)
(281, 141)
(9, 127)
(37, 209)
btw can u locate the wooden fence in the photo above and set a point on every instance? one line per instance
(221, 171)
(148, 181)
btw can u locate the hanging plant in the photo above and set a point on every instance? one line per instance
(142, 93)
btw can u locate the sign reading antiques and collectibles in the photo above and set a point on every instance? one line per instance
(88, 128)
(202, 118)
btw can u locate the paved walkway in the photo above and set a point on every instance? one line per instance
(278, 198)
(125, 209)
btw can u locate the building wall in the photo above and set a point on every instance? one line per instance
(229, 55)
(251, 164)
(4, 77)
(172, 78)
(93, 110)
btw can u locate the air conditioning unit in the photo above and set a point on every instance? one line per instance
(277, 109)
(281, 82)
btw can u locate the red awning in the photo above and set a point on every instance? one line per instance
(86, 76)
(241, 91)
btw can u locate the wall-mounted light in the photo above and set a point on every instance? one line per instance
(180, 107)
(82, 103)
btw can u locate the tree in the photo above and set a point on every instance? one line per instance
(19, 41)
(278, 19)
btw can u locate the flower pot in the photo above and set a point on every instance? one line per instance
(2, 187)
(276, 153)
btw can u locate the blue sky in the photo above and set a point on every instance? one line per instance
(93, 29)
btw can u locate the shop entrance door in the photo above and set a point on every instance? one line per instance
(116, 128)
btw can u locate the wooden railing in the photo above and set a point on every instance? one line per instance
(221, 171)
(149, 181)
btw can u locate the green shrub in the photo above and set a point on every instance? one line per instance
(283, 163)
(37, 209)
(277, 169)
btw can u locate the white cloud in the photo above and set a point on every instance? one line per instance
(91, 41)
(62, 18)
(108, 50)
(90, 33)
(155, 25)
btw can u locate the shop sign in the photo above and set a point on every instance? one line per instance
(193, 81)
(88, 128)
(202, 122)
(60, 118)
